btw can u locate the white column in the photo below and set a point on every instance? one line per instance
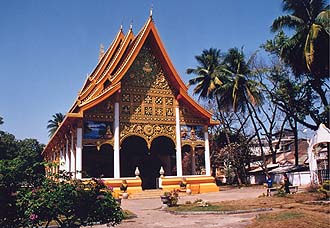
(79, 153)
(73, 158)
(57, 159)
(116, 146)
(207, 153)
(62, 160)
(54, 162)
(67, 156)
(178, 142)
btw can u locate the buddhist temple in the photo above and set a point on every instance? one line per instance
(133, 120)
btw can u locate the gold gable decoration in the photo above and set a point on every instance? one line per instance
(146, 94)
(147, 131)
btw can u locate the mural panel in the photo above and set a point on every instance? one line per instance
(97, 130)
(190, 132)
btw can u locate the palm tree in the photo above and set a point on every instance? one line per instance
(54, 123)
(307, 50)
(207, 77)
(240, 92)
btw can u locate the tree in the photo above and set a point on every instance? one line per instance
(307, 50)
(29, 199)
(239, 92)
(305, 104)
(234, 156)
(54, 123)
(1, 120)
(21, 164)
(207, 77)
(69, 203)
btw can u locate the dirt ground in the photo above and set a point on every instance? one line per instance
(149, 213)
(290, 211)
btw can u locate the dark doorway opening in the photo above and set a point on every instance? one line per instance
(135, 153)
(132, 154)
(164, 149)
(97, 163)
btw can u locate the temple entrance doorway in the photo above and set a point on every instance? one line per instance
(135, 153)
(163, 148)
(97, 163)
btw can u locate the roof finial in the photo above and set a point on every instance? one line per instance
(121, 25)
(131, 25)
(151, 9)
(101, 52)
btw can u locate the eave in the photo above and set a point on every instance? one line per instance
(183, 96)
(100, 67)
(66, 126)
(101, 97)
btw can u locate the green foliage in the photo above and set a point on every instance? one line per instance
(302, 18)
(173, 197)
(8, 146)
(294, 96)
(1, 120)
(28, 199)
(69, 203)
(307, 50)
(54, 123)
(207, 73)
(281, 193)
(325, 189)
(21, 164)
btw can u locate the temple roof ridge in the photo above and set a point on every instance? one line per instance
(120, 61)
(107, 55)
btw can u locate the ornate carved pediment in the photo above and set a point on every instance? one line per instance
(146, 94)
(146, 131)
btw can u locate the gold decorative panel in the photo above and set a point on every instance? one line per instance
(147, 131)
(147, 99)
(146, 95)
(188, 117)
(103, 111)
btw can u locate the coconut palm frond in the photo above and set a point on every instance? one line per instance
(323, 19)
(54, 123)
(287, 21)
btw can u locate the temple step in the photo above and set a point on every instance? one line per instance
(146, 194)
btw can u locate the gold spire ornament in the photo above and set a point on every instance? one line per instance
(101, 52)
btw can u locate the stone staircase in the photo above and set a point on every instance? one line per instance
(146, 194)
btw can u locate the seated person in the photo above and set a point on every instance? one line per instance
(286, 183)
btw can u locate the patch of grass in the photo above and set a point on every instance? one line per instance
(213, 207)
(291, 218)
(284, 215)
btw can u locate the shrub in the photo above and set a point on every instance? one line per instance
(70, 204)
(325, 189)
(281, 193)
(173, 197)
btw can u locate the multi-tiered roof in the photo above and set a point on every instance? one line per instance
(105, 80)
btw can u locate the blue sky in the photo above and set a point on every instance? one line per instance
(48, 47)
